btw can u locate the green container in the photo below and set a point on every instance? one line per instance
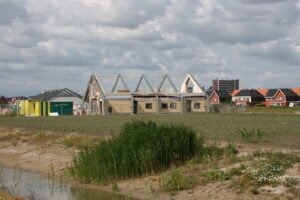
(62, 108)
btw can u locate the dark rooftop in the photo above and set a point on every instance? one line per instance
(252, 93)
(44, 96)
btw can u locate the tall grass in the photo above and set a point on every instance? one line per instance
(141, 148)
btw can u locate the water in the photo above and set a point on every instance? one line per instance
(34, 186)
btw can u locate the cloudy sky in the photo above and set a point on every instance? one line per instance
(55, 44)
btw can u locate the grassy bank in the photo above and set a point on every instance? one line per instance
(280, 129)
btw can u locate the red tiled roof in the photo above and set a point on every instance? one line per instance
(263, 91)
(235, 92)
(296, 90)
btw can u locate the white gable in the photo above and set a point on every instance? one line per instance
(196, 88)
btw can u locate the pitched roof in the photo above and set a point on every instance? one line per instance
(252, 93)
(44, 96)
(223, 94)
(235, 92)
(263, 91)
(209, 92)
(289, 93)
(271, 92)
(296, 90)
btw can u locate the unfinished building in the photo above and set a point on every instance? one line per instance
(188, 97)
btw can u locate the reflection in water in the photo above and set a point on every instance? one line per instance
(28, 184)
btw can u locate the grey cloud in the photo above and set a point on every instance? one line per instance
(52, 44)
(11, 10)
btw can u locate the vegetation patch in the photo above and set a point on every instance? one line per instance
(214, 153)
(140, 148)
(175, 180)
(217, 175)
(265, 170)
(80, 141)
(251, 136)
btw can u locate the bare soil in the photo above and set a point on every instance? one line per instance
(48, 154)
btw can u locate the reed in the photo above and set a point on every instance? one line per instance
(140, 148)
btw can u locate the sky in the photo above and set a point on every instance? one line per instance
(58, 44)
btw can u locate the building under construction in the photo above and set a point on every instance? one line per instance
(166, 97)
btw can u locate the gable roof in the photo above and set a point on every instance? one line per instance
(209, 92)
(271, 92)
(196, 88)
(296, 90)
(234, 92)
(143, 77)
(289, 93)
(263, 91)
(166, 77)
(251, 93)
(44, 96)
(223, 94)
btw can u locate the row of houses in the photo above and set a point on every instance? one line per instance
(167, 96)
(251, 97)
(189, 97)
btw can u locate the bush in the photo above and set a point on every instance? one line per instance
(217, 175)
(175, 180)
(140, 148)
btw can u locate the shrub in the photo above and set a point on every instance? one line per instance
(217, 175)
(175, 180)
(140, 148)
(251, 136)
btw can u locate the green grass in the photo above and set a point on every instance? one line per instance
(273, 109)
(280, 129)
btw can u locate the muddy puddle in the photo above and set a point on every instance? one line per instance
(33, 186)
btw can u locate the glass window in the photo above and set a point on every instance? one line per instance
(196, 105)
(164, 106)
(148, 105)
(173, 105)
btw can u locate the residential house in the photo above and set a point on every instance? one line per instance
(247, 97)
(190, 97)
(61, 101)
(218, 96)
(281, 97)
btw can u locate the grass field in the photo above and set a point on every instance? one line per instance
(273, 109)
(278, 129)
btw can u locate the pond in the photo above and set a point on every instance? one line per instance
(33, 186)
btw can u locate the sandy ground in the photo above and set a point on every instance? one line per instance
(53, 157)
